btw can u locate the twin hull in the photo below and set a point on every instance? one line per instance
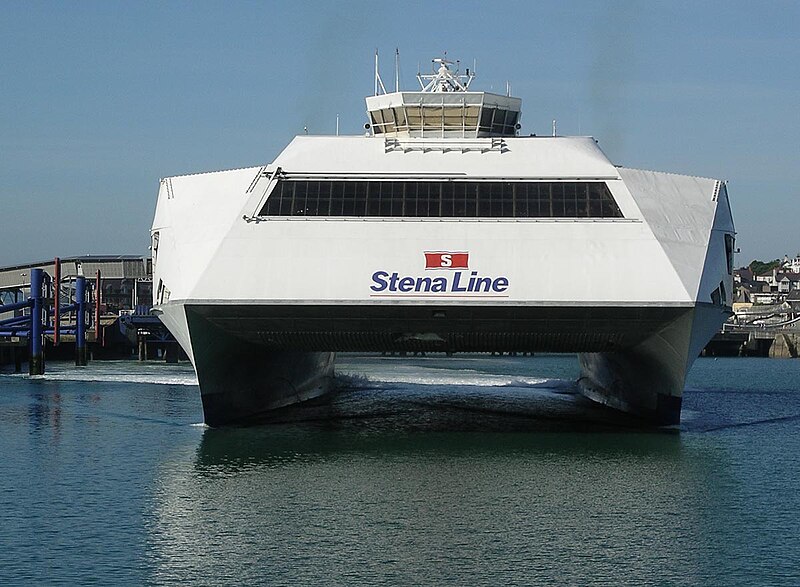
(252, 358)
(261, 303)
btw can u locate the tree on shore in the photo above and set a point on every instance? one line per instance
(759, 267)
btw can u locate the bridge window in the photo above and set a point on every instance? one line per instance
(442, 199)
(430, 118)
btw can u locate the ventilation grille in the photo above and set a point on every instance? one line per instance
(442, 342)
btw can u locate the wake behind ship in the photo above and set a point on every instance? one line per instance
(440, 230)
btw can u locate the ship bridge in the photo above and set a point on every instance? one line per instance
(444, 107)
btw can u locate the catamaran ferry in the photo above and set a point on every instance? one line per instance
(440, 230)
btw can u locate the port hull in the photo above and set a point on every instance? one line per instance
(241, 382)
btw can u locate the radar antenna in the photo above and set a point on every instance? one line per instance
(445, 80)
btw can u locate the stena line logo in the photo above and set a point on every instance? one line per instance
(441, 260)
(458, 281)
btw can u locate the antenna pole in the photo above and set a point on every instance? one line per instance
(397, 69)
(554, 127)
(378, 80)
(337, 125)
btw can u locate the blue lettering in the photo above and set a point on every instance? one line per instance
(423, 282)
(379, 277)
(500, 284)
(383, 281)
(456, 280)
(406, 284)
(439, 284)
(482, 284)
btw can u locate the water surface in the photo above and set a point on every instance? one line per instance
(469, 470)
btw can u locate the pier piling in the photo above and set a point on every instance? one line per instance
(98, 293)
(81, 358)
(142, 340)
(36, 361)
(17, 356)
(56, 301)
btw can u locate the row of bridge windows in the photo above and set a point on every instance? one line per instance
(484, 120)
(443, 199)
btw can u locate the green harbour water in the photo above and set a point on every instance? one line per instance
(420, 471)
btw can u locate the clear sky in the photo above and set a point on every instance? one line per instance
(98, 100)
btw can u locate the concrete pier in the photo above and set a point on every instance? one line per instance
(785, 346)
(754, 343)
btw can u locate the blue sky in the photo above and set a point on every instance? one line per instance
(98, 100)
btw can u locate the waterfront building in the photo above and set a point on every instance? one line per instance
(126, 279)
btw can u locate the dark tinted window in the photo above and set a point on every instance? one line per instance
(442, 199)
(729, 251)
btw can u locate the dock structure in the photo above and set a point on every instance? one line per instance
(756, 340)
(120, 274)
(79, 307)
(39, 315)
(765, 330)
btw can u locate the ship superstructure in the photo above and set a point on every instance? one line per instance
(440, 230)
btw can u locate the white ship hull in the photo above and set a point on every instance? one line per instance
(253, 358)
(261, 301)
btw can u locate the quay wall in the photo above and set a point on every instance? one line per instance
(785, 346)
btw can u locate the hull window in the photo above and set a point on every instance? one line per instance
(729, 251)
(443, 199)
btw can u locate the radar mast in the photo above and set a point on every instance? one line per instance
(443, 107)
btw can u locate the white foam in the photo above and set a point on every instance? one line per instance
(122, 372)
(432, 376)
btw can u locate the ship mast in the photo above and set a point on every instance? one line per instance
(444, 80)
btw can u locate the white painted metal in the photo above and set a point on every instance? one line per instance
(444, 80)
(668, 251)
(653, 256)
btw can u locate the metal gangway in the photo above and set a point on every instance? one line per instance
(34, 318)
